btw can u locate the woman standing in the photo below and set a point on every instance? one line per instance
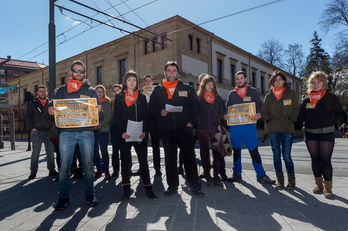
(211, 111)
(101, 134)
(279, 112)
(131, 106)
(319, 112)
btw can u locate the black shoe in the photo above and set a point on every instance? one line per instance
(62, 203)
(265, 179)
(31, 176)
(180, 170)
(53, 173)
(158, 172)
(170, 191)
(91, 200)
(223, 176)
(217, 181)
(202, 176)
(115, 174)
(210, 181)
(198, 193)
(235, 177)
(56, 178)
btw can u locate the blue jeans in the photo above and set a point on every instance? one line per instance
(67, 143)
(101, 139)
(285, 141)
(38, 138)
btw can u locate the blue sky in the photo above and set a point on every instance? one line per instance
(25, 23)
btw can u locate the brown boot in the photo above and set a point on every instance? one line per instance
(319, 185)
(280, 180)
(291, 181)
(328, 189)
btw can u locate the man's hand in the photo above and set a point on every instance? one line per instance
(164, 112)
(96, 128)
(51, 110)
(34, 130)
(142, 136)
(257, 116)
(226, 117)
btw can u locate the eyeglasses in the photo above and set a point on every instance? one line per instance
(42, 91)
(78, 70)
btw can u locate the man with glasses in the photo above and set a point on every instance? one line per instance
(39, 133)
(76, 87)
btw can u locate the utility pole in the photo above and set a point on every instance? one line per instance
(52, 50)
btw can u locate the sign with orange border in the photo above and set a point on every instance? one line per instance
(73, 113)
(239, 114)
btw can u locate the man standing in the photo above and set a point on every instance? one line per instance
(115, 158)
(76, 87)
(154, 133)
(248, 132)
(176, 126)
(39, 133)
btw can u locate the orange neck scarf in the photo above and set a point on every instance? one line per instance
(43, 102)
(103, 99)
(314, 97)
(130, 99)
(242, 91)
(209, 97)
(73, 85)
(278, 92)
(170, 86)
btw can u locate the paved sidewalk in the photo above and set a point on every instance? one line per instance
(248, 205)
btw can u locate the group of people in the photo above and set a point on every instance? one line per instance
(176, 114)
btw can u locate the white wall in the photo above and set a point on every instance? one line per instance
(193, 66)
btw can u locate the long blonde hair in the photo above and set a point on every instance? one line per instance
(319, 75)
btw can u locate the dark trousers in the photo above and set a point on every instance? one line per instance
(141, 151)
(182, 139)
(115, 160)
(101, 140)
(155, 143)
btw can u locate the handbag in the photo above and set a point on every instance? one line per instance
(222, 141)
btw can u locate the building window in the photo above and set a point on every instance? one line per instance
(62, 81)
(155, 44)
(219, 70)
(198, 45)
(164, 41)
(147, 47)
(2, 71)
(100, 75)
(232, 72)
(253, 76)
(262, 84)
(190, 42)
(3, 80)
(122, 65)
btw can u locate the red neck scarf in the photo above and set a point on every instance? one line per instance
(73, 85)
(278, 92)
(130, 99)
(170, 86)
(209, 97)
(43, 102)
(314, 97)
(242, 91)
(103, 99)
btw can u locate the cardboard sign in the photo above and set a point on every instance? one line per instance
(147, 90)
(241, 114)
(72, 113)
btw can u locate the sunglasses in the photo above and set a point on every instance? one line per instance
(78, 70)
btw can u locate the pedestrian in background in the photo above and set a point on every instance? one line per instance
(279, 112)
(319, 113)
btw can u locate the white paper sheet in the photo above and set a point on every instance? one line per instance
(171, 108)
(134, 129)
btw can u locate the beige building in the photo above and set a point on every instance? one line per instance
(195, 49)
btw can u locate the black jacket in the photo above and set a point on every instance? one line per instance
(33, 115)
(185, 96)
(137, 112)
(207, 117)
(327, 112)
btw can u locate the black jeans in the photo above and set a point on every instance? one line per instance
(182, 139)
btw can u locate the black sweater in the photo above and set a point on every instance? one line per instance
(327, 112)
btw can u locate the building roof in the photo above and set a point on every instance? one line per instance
(12, 63)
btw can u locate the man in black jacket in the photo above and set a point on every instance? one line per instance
(175, 105)
(39, 133)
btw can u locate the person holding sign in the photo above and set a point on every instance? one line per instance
(175, 106)
(319, 112)
(131, 117)
(279, 112)
(244, 94)
(154, 129)
(211, 111)
(76, 87)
